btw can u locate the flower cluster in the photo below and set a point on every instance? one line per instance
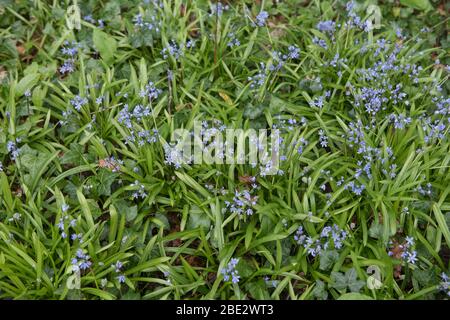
(425, 191)
(400, 121)
(150, 91)
(320, 42)
(230, 271)
(100, 23)
(152, 25)
(354, 21)
(140, 192)
(81, 261)
(323, 139)
(279, 59)
(65, 223)
(70, 51)
(328, 27)
(258, 80)
(217, 9)
(173, 50)
(174, 155)
(78, 102)
(133, 120)
(243, 201)
(302, 143)
(117, 268)
(331, 237)
(261, 19)
(233, 40)
(404, 251)
(13, 150)
(445, 284)
(319, 102)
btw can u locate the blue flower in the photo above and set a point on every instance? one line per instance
(121, 278)
(326, 26)
(172, 50)
(78, 102)
(234, 41)
(230, 271)
(261, 19)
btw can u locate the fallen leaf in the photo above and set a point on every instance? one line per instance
(226, 98)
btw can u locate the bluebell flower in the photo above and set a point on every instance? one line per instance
(258, 80)
(78, 102)
(190, 44)
(121, 278)
(234, 41)
(323, 139)
(320, 42)
(12, 149)
(67, 67)
(172, 50)
(445, 284)
(218, 9)
(149, 91)
(261, 19)
(154, 25)
(327, 27)
(230, 272)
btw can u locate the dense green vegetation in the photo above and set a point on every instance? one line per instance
(93, 205)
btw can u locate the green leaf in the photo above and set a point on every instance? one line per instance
(319, 291)
(327, 259)
(441, 223)
(74, 155)
(354, 296)
(105, 179)
(258, 290)
(424, 5)
(124, 207)
(26, 83)
(341, 281)
(105, 44)
(198, 219)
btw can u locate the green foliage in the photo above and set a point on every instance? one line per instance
(77, 181)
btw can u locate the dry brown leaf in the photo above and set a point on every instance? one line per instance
(226, 98)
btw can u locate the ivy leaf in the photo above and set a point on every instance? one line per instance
(319, 291)
(198, 219)
(341, 282)
(258, 290)
(244, 268)
(352, 280)
(354, 296)
(327, 259)
(124, 207)
(423, 5)
(27, 83)
(252, 112)
(33, 162)
(74, 155)
(338, 281)
(376, 230)
(105, 179)
(105, 44)
(276, 105)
